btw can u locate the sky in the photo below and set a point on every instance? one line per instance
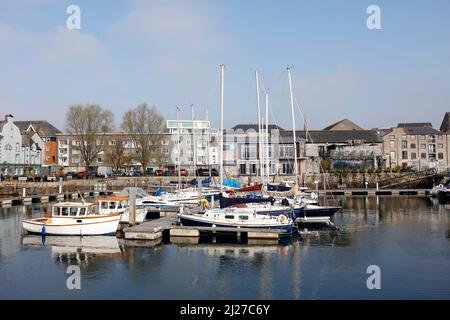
(167, 54)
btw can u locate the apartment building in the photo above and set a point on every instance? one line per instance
(416, 145)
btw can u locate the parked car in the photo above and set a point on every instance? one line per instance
(169, 173)
(202, 172)
(158, 172)
(80, 175)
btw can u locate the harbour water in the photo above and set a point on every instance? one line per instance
(408, 238)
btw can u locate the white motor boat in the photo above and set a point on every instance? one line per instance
(74, 219)
(148, 202)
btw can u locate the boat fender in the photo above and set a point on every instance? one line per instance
(282, 218)
(43, 230)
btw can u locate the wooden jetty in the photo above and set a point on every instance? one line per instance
(154, 229)
(28, 200)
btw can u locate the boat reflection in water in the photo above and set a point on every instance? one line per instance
(76, 249)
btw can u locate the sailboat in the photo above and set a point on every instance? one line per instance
(242, 216)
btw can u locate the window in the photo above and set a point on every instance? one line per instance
(243, 217)
(82, 211)
(440, 156)
(56, 211)
(287, 168)
(423, 156)
(229, 216)
(112, 205)
(392, 145)
(104, 205)
(253, 168)
(413, 156)
(392, 137)
(64, 211)
(404, 155)
(73, 212)
(440, 146)
(248, 151)
(288, 151)
(412, 146)
(243, 168)
(404, 144)
(423, 146)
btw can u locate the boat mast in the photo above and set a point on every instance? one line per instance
(222, 67)
(267, 137)
(208, 137)
(178, 148)
(261, 173)
(293, 124)
(194, 146)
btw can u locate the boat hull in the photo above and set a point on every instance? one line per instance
(317, 215)
(192, 221)
(106, 225)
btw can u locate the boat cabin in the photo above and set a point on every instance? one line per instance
(74, 209)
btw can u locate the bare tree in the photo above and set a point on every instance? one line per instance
(88, 125)
(115, 154)
(145, 126)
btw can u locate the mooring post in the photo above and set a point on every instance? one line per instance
(132, 213)
(60, 185)
(24, 192)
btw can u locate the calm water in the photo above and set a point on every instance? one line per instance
(408, 238)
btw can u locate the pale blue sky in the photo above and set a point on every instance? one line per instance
(167, 53)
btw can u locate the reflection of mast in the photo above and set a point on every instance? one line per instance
(296, 267)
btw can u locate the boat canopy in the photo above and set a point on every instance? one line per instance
(228, 202)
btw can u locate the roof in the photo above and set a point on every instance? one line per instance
(422, 131)
(415, 125)
(445, 125)
(343, 125)
(42, 127)
(254, 127)
(330, 136)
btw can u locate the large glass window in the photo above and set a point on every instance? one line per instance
(56, 211)
(73, 211)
